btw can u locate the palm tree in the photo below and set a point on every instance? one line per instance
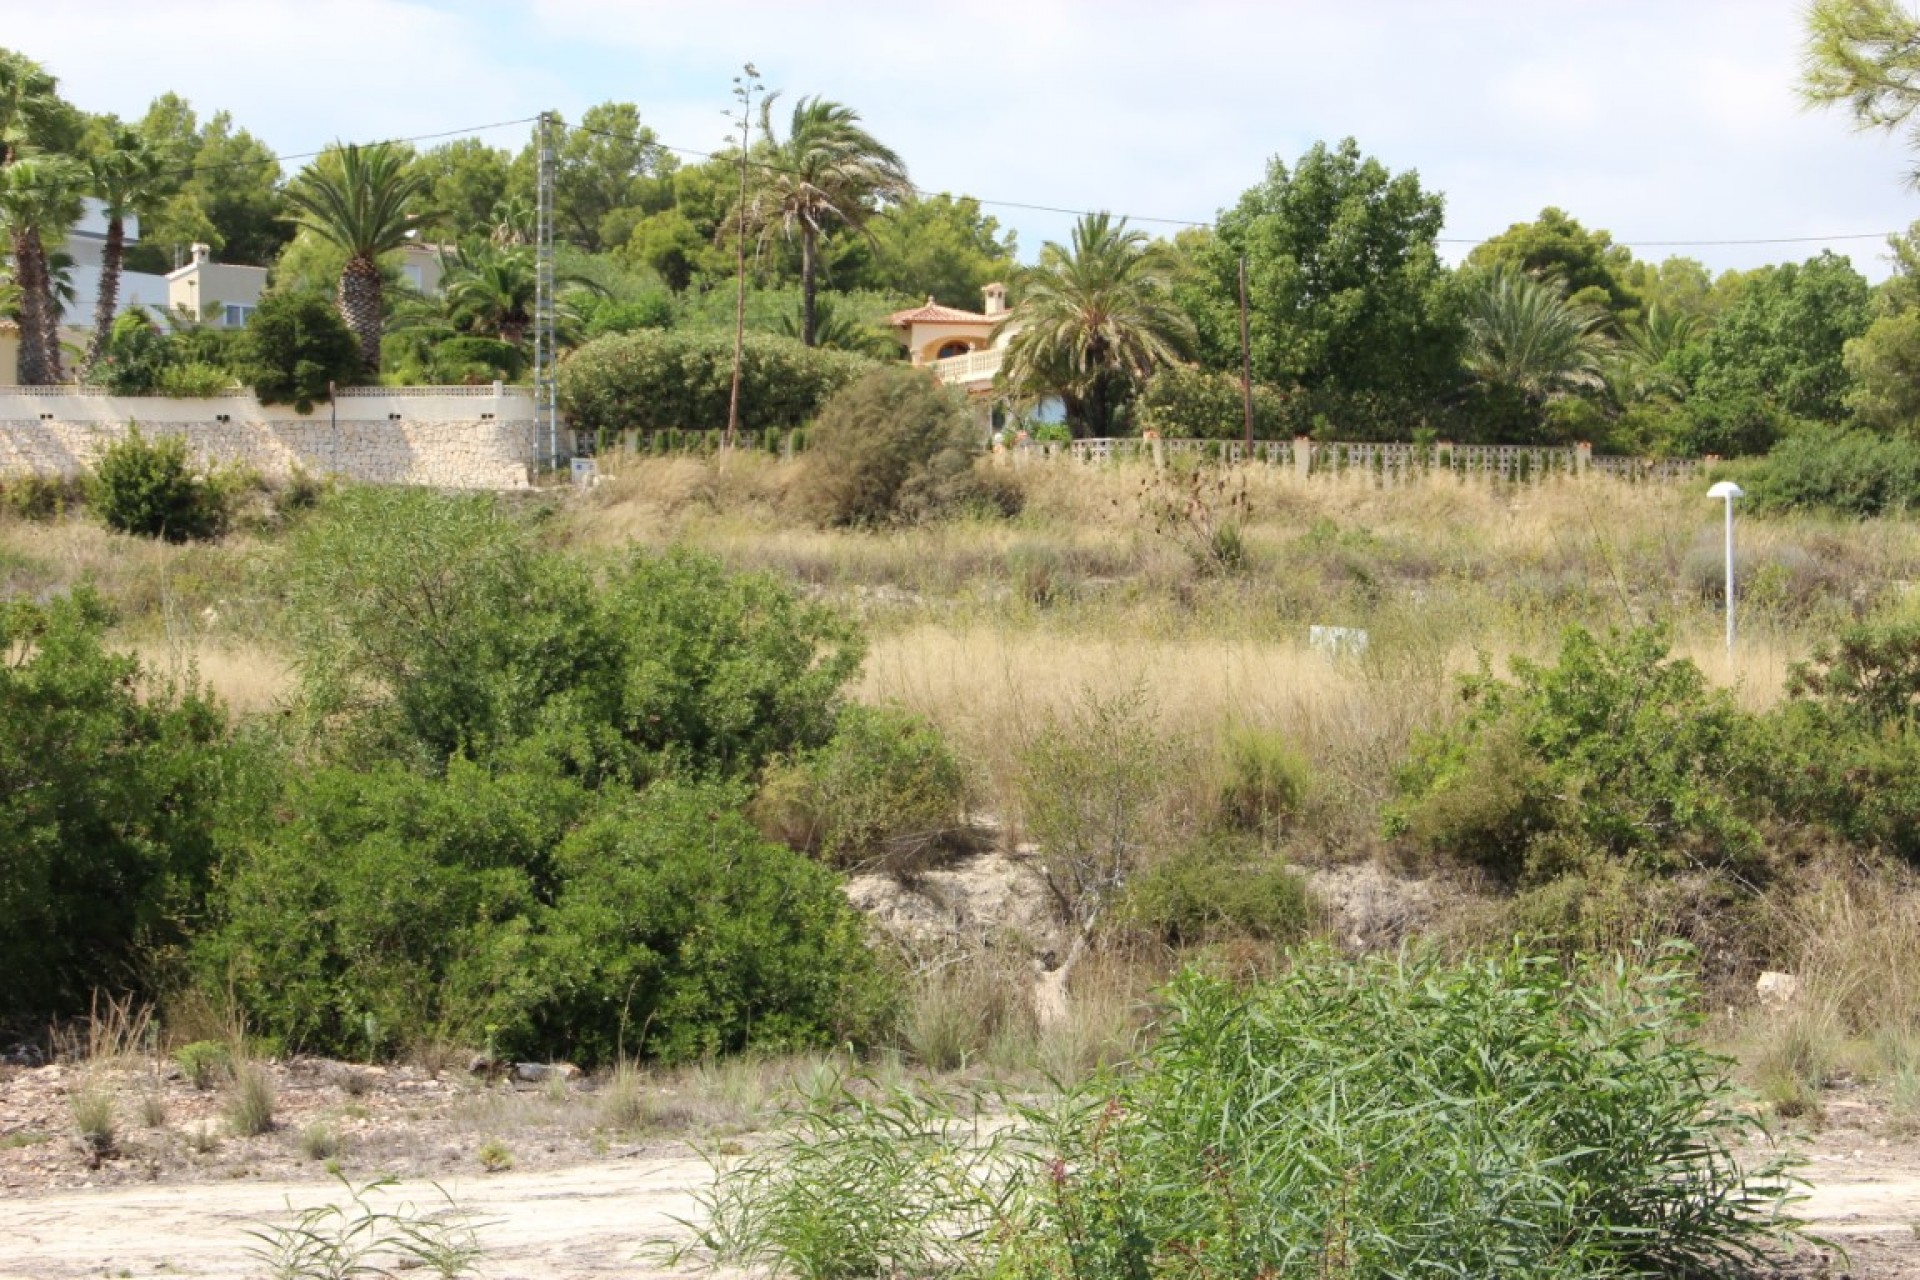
(827, 170)
(361, 199)
(840, 332)
(1523, 334)
(123, 176)
(1647, 363)
(488, 289)
(28, 103)
(1095, 320)
(39, 195)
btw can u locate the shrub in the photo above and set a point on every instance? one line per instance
(896, 446)
(1266, 779)
(1397, 1117)
(1212, 891)
(682, 934)
(136, 357)
(1098, 797)
(111, 782)
(204, 1062)
(295, 348)
(1615, 750)
(460, 360)
(1185, 402)
(193, 379)
(885, 792)
(94, 1120)
(149, 488)
(34, 497)
(1854, 473)
(655, 380)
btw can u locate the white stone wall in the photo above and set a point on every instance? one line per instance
(446, 438)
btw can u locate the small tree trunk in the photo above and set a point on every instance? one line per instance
(360, 289)
(30, 275)
(809, 263)
(110, 258)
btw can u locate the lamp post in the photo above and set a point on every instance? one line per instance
(1728, 491)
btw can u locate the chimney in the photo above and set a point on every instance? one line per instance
(996, 295)
(201, 253)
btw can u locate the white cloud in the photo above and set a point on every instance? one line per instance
(1654, 120)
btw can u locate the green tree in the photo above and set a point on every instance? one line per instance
(39, 200)
(1095, 319)
(604, 176)
(1347, 288)
(363, 200)
(933, 247)
(108, 779)
(827, 170)
(466, 181)
(1524, 334)
(294, 349)
(225, 190)
(1782, 339)
(1864, 55)
(125, 176)
(1884, 366)
(1592, 271)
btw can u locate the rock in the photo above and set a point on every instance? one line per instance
(541, 1072)
(1776, 990)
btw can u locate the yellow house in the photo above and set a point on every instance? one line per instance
(220, 293)
(958, 345)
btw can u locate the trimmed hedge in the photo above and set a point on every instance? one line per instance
(658, 380)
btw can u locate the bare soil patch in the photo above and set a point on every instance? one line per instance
(582, 1198)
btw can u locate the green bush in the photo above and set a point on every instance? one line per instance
(137, 356)
(429, 625)
(654, 380)
(1185, 402)
(896, 446)
(885, 793)
(1266, 779)
(295, 348)
(110, 782)
(1854, 473)
(680, 934)
(34, 497)
(1616, 750)
(193, 380)
(1216, 890)
(1396, 1117)
(1848, 738)
(150, 489)
(463, 360)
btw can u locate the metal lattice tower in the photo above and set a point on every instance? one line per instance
(546, 411)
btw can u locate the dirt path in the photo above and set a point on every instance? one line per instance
(555, 1224)
(589, 1221)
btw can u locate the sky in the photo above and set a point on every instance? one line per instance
(1657, 120)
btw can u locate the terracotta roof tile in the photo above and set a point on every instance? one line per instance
(934, 313)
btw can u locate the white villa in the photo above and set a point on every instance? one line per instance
(958, 345)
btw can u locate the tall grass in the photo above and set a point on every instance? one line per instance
(1398, 1117)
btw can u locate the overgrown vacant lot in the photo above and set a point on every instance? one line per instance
(1090, 744)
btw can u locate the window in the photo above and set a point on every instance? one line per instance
(950, 349)
(236, 316)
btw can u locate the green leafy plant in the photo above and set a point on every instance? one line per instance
(193, 380)
(1616, 750)
(150, 488)
(1266, 779)
(494, 1156)
(204, 1062)
(250, 1100)
(656, 380)
(884, 793)
(1398, 1116)
(339, 1241)
(895, 447)
(295, 348)
(1215, 890)
(35, 497)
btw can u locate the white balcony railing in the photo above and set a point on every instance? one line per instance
(974, 366)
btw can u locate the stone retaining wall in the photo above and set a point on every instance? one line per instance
(442, 437)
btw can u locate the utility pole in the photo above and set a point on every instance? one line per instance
(546, 407)
(1246, 359)
(745, 85)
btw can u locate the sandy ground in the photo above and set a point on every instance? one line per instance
(584, 1198)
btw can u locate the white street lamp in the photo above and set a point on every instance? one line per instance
(1728, 490)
